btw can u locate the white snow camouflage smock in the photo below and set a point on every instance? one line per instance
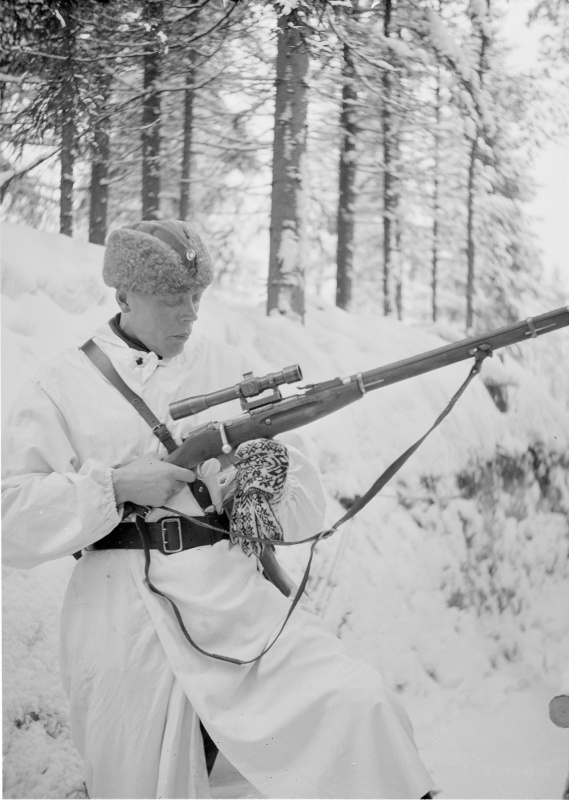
(306, 720)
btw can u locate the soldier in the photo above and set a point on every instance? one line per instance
(304, 720)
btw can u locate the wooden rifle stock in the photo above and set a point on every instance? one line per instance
(216, 439)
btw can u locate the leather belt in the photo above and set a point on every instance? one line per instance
(169, 535)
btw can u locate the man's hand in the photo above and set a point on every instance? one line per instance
(149, 481)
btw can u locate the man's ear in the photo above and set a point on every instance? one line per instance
(122, 300)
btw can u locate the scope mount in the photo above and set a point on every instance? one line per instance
(244, 391)
(247, 404)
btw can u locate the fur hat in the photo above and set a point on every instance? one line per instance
(162, 257)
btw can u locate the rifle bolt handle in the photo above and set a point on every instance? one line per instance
(225, 446)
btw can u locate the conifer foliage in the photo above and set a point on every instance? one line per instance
(374, 151)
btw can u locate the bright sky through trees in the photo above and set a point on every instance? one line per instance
(552, 165)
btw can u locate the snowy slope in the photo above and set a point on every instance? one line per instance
(453, 582)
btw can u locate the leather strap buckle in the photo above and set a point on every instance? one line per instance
(171, 525)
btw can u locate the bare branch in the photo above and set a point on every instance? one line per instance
(7, 176)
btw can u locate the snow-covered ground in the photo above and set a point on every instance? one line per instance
(453, 582)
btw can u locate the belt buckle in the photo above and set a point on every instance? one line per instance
(165, 524)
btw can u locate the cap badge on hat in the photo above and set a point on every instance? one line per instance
(166, 256)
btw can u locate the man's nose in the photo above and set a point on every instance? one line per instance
(189, 311)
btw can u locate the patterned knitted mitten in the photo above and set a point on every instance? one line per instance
(260, 482)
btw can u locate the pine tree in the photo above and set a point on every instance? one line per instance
(153, 13)
(100, 157)
(481, 22)
(57, 102)
(286, 268)
(347, 182)
(436, 200)
(105, 34)
(188, 133)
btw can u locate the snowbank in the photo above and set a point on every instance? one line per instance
(453, 582)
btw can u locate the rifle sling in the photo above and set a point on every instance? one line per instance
(159, 429)
(355, 508)
(386, 476)
(396, 465)
(383, 479)
(105, 365)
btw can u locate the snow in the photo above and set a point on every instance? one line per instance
(453, 582)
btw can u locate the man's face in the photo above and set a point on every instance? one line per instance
(163, 322)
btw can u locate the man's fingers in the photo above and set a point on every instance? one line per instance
(183, 474)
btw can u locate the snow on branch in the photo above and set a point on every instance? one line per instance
(7, 176)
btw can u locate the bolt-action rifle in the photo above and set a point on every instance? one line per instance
(271, 414)
(266, 416)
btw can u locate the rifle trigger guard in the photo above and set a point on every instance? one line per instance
(225, 446)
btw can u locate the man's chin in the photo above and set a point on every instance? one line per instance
(173, 348)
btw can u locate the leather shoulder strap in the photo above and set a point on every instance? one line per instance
(105, 365)
(159, 429)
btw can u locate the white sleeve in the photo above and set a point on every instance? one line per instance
(52, 505)
(302, 507)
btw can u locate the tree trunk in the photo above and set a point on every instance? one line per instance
(67, 164)
(153, 14)
(470, 246)
(347, 176)
(185, 184)
(286, 268)
(398, 270)
(68, 128)
(436, 210)
(99, 190)
(388, 188)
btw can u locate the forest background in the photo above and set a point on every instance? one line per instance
(379, 153)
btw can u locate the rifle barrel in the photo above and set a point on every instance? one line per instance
(321, 399)
(463, 349)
